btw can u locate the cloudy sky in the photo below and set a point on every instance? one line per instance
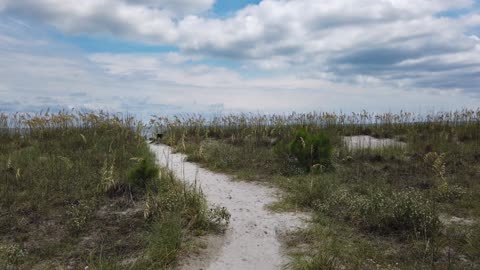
(211, 56)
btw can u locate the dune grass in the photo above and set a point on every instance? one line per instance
(395, 207)
(82, 189)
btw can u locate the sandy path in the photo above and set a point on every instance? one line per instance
(252, 240)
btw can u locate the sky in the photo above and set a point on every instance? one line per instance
(166, 57)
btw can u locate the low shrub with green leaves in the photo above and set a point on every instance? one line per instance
(311, 149)
(142, 174)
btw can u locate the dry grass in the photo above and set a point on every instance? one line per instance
(385, 202)
(82, 189)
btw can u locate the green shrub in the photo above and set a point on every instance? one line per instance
(385, 212)
(142, 173)
(287, 164)
(449, 193)
(311, 150)
(401, 211)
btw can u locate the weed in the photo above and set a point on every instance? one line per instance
(219, 216)
(78, 215)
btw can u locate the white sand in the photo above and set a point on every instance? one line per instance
(363, 142)
(252, 239)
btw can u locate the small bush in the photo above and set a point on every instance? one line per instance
(142, 173)
(311, 149)
(78, 215)
(449, 193)
(287, 164)
(219, 217)
(385, 212)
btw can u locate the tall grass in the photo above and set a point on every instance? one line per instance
(392, 194)
(82, 189)
(459, 125)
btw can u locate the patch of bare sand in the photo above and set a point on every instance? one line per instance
(252, 240)
(362, 142)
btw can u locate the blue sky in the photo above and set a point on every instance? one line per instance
(209, 56)
(224, 8)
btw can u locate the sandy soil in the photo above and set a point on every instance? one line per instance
(362, 142)
(252, 239)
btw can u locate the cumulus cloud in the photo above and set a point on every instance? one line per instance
(178, 7)
(310, 45)
(113, 17)
(172, 83)
(277, 23)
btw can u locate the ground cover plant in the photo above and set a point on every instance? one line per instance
(82, 189)
(411, 204)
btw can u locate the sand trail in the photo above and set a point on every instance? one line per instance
(252, 239)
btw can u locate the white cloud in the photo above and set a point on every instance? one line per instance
(162, 68)
(178, 7)
(282, 24)
(153, 84)
(321, 48)
(94, 17)
(471, 20)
